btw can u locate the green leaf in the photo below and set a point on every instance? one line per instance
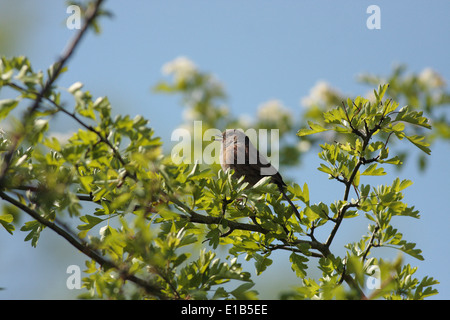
(51, 72)
(374, 146)
(6, 106)
(418, 142)
(424, 288)
(197, 174)
(405, 184)
(168, 214)
(373, 171)
(393, 238)
(350, 214)
(165, 87)
(241, 292)
(86, 182)
(180, 259)
(90, 222)
(410, 248)
(52, 143)
(220, 293)
(325, 169)
(261, 262)
(314, 128)
(398, 127)
(298, 264)
(335, 116)
(381, 92)
(5, 221)
(413, 117)
(395, 161)
(214, 237)
(303, 195)
(35, 229)
(357, 178)
(311, 214)
(7, 218)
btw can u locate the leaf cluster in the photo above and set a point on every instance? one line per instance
(150, 228)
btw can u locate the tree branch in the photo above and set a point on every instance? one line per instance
(60, 64)
(348, 183)
(74, 117)
(288, 247)
(85, 248)
(90, 16)
(371, 242)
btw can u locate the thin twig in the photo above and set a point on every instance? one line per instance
(366, 138)
(371, 242)
(273, 247)
(90, 16)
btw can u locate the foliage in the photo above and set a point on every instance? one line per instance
(204, 99)
(423, 92)
(150, 228)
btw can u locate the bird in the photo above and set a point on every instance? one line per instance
(238, 153)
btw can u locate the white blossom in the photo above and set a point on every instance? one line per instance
(321, 93)
(272, 110)
(431, 78)
(304, 146)
(181, 67)
(224, 110)
(190, 114)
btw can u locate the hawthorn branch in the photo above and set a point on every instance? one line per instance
(191, 215)
(90, 17)
(348, 183)
(195, 217)
(365, 136)
(74, 117)
(60, 64)
(291, 249)
(85, 248)
(371, 242)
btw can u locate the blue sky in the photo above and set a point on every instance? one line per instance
(259, 50)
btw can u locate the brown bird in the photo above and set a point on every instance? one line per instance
(239, 154)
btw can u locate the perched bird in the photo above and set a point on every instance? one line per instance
(239, 154)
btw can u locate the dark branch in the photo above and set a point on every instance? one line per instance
(85, 248)
(371, 242)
